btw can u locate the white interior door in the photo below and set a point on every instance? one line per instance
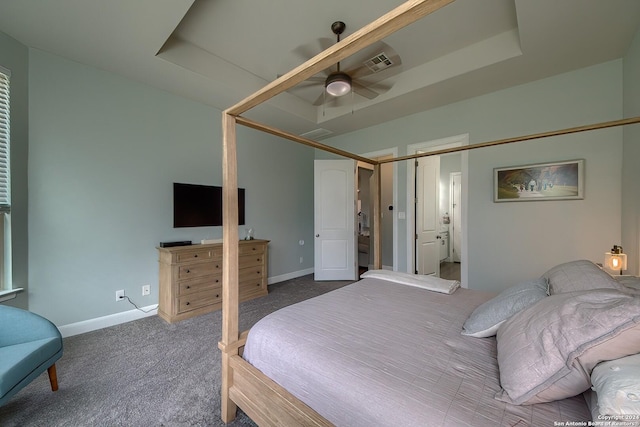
(335, 219)
(456, 217)
(427, 224)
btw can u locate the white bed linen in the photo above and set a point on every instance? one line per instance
(432, 283)
(377, 354)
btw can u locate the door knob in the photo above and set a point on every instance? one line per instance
(317, 235)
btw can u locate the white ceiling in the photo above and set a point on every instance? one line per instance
(220, 51)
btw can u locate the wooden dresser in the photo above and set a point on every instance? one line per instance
(191, 277)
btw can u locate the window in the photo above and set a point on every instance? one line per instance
(5, 184)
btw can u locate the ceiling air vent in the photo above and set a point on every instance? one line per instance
(316, 133)
(378, 63)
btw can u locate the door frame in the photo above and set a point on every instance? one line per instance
(392, 152)
(452, 176)
(433, 145)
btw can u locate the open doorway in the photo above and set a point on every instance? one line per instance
(364, 212)
(388, 213)
(450, 209)
(436, 239)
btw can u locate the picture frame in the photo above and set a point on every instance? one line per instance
(543, 181)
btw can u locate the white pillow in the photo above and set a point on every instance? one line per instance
(487, 318)
(617, 383)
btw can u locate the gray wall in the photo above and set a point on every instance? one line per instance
(15, 57)
(104, 152)
(631, 170)
(525, 238)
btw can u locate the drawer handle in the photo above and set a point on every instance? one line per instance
(217, 266)
(188, 271)
(217, 280)
(195, 255)
(254, 249)
(188, 287)
(217, 295)
(257, 284)
(257, 272)
(188, 303)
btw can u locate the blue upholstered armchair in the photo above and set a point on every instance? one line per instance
(29, 345)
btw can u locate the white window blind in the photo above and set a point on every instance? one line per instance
(5, 185)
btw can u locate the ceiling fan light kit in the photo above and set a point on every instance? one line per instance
(338, 84)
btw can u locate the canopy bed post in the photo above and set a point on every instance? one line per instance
(377, 217)
(230, 295)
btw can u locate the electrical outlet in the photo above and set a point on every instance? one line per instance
(120, 295)
(146, 290)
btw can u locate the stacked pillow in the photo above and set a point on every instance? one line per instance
(487, 318)
(548, 350)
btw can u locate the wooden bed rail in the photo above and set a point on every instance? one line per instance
(567, 131)
(266, 402)
(235, 346)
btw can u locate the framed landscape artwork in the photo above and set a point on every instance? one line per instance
(545, 181)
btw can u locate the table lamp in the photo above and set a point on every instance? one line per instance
(615, 260)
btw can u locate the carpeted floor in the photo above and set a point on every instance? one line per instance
(146, 372)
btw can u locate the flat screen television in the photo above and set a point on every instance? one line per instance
(201, 205)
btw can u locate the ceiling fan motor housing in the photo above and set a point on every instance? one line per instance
(338, 84)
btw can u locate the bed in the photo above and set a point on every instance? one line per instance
(390, 351)
(402, 359)
(467, 376)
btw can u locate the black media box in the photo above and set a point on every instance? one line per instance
(172, 244)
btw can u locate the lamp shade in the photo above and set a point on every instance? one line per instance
(615, 261)
(338, 84)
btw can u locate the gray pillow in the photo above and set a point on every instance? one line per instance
(581, 275)
(546, 352)
(487, 318)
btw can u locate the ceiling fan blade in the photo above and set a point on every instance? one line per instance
(321, 99)
(364, 91)
(332, 101)
(308, 51)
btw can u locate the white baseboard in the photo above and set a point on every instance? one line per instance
(127, 316)
(106, 321)
(288, 276)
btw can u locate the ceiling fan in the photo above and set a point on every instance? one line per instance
(361, 76)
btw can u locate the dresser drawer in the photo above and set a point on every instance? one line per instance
(250, 287)
(199, 299)
(199, 284)
(251, 248)
(198, 254)
(251, 273)
(251, 260)
(199, 269)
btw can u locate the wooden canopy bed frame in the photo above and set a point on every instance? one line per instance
(244, 386)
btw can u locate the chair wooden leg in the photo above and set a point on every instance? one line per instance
(53, 377)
